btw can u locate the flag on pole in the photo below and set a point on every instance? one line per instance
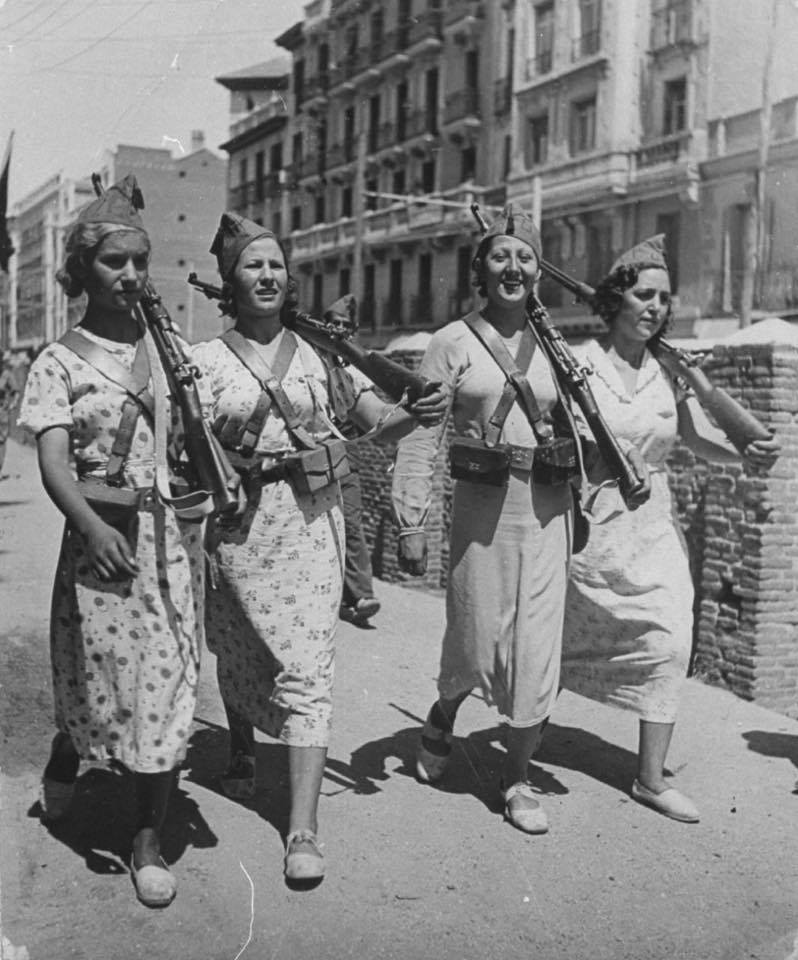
(5, 240)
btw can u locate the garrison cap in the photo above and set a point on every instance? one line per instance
(234, 234)
(119, 204)
(646, 255)
(519, 224)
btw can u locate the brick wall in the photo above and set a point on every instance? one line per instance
(741, 528)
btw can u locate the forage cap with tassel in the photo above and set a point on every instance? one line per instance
(119, 204)
(646, 255)
(515, 223)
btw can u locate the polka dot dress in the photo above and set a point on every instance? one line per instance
(125, 656)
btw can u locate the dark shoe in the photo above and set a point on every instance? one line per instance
(433, 751)
(360, 611)
(670, 802)
(238, 783)
(303, 857)
(526, 813)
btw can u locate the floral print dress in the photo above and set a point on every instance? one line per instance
(629, 607)
(125, 656)
(272, 611)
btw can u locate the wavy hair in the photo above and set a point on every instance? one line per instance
(609, 296)
(82, 243)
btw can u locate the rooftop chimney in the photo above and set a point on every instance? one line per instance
(197, 140)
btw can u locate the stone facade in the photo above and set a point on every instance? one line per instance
(740, 525)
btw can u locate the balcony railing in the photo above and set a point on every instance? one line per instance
(672, 24)
(420, 122)
(316, 86)
(670, 149)
(540, 65)
(310, 166)
(586, 45)
(386, 135)
(241, 195)
(457, 10)
(502, 96)
(462, 104)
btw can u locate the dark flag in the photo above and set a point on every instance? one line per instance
(5, 240)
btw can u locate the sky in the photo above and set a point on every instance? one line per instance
(80, 76)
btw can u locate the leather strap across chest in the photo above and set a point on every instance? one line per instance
(135, 382)
(269, 378)
(517, 386)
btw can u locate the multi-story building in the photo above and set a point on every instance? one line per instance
(183, 198)
(624, 110)
(610, 119)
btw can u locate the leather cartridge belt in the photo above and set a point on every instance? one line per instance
(520, 457)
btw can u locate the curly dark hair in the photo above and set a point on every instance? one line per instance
(609, 296)
(227, 304)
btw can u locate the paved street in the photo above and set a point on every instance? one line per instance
(413, 872)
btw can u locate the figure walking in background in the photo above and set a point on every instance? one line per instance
(629, 609)
(358, 603)
(9, 395)
(127, 601)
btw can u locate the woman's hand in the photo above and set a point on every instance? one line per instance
(430, 409)
(412, 553)
(762, 453)
(109, 554)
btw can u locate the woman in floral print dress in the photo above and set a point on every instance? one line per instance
(127, 609)
(273, 609)
(629, 606)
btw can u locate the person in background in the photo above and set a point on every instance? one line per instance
(272, 615)
(358, 603)
(629, 608)
(127, 605)
(9, 394)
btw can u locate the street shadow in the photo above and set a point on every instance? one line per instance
(101, 821)
(574, 748)
(780, 745)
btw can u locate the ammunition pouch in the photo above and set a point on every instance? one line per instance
(473, 460)
(555, 462)
(312, 470)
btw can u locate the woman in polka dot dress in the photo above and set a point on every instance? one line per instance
(273, 610)
(127, 603)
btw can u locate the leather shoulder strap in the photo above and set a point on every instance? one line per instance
(270, 379)
(135, 382)
(514, 370)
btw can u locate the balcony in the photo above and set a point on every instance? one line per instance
(462, 105)
(386, 136)
(540, 65)
(421, 123)
(311, 166)
(315, 89)
(242, 195)
(587, 45)
(671, 25)
(269, 111)
(671, 149)
(502, 96)
(426, 31)
(458, 11)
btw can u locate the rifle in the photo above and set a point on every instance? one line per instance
(213, 474)
(574, 379)
(333, 335)
(739, 424)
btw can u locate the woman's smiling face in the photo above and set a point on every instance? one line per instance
(510, 270)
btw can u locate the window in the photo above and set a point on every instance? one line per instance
(508, 156)
(319, 208)
(299, 80)
(403, 19)
(277, 223)
(428, 176)
(242, 171)
(544, 38)
(324, 62)
(321, 144)
(537, 143)
(371, 187)
(276, 157)
(395, 292)
(588, 39)
(296, 218)
(674, 118)
(468, 163)
(670, 225)
(401, 111)
(551, 292)
(464, 257)
(344, 281)
(582, 134)
(599, 250)
(367, 306)
(259, 165)
(297, 149)
(374, 123)
(346, 202)
(318, 295)
(377, 31)
(423, 311)
(399, 182)
(431, 101)
(349, 133)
